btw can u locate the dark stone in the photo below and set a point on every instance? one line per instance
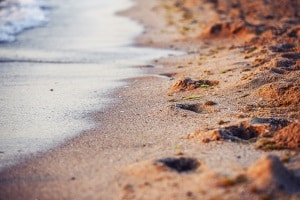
(293, 34)
(180, 165)
(285, 63)
(189, 194)
(282, 48)
(293, 56)
(275, 123)
(210, 103)
(169, 75)
(269, 17)
(215, 29)
(238, 29)
(190, 107)
(199, 83)
(277, 70)
(288, 46)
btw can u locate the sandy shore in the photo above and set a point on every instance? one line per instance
(192, 128)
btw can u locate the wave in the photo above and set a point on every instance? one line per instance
(19, 15)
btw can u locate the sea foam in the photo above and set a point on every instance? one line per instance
(19, 15)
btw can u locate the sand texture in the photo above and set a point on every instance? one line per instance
(218, 122)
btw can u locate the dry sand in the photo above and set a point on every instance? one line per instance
(220, 122)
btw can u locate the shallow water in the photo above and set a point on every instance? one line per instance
(18, 15)
(54, 76)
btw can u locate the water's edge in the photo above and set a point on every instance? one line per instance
(52, 90)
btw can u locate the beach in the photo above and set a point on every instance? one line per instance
(218, 122)
(54, 75)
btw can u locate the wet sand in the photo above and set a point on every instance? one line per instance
(192, 129)
(49, 86)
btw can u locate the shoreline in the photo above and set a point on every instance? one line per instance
(153, 121)
(48, 87)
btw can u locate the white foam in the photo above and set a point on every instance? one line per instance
(19, 15)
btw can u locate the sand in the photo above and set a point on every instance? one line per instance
(203, 125)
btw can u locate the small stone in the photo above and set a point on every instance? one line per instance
(221, 122)
(241, 116)
(180, 153)
(190, 107)
(147, 184)
(147, 66)
(282, 48)
(285, 63)
(293, 56)
(277, 71)
(189, 194)
(206, 140)
(276, 123)
(210, 103)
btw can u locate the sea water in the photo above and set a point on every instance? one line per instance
(59, 61)
(18, 15)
